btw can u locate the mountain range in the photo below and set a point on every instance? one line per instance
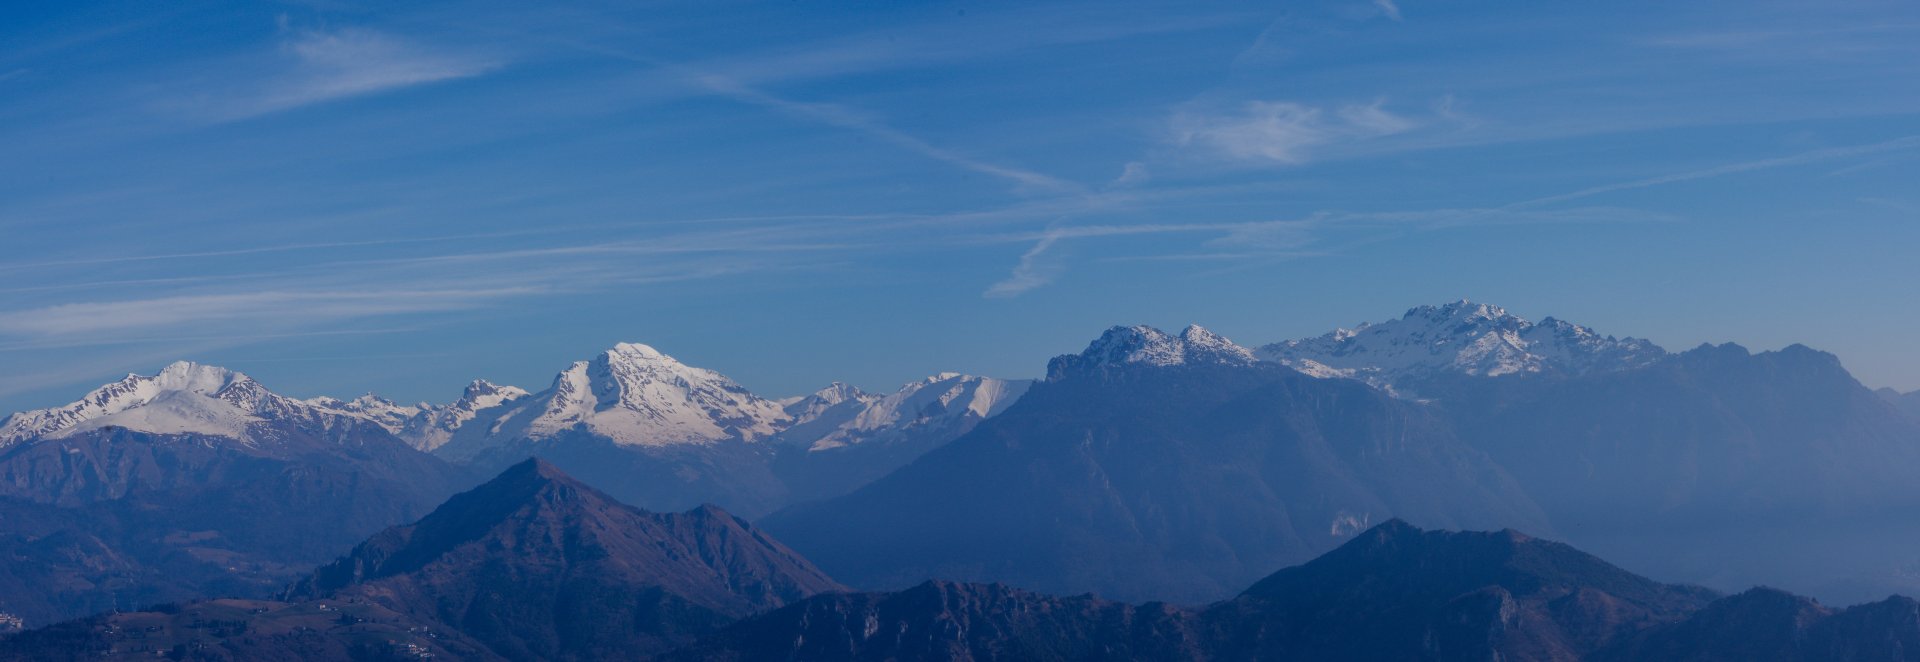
(1148, 466)
(199, 480)
(196, 479)
(1154, 466)
(1460, 338)
(534, 565)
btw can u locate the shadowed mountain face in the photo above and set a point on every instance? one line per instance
(1393, 593)
(1148, 470)
(536, 565)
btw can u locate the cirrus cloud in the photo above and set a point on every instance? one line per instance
(1283, 132)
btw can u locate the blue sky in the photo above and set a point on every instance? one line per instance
(399, 197)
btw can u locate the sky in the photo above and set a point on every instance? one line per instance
(343, 197)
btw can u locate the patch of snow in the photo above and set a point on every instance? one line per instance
(173, 412)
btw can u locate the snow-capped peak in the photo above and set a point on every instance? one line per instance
(633, 394)
(372, 408)
(190, 398)
(182, 398)
(1462, 337)
(633, 351)
(1146, 345)
(1207, 346)
(481, 394)
(816, 404)
(950, 399)
(430, 426)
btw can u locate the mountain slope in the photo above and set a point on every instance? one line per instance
(535, 564)
(1155, 467)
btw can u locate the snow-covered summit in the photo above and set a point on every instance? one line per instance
(631, 394)
(1462, 337)
(816, 404)
(190, 398)
(431, 426)
(373, 408)
(1145, 345)
(944, 399)
(183, 398)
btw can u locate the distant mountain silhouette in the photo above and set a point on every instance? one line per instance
(534, 564)
(1723, 466)
(1907, 402)
(1395, 592)
(1765, 625)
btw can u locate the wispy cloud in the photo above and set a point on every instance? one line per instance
(171, 312)
(1288, 238)
(221, 339)
(318, 66)
(1743, 39)
(307, 294)
(1388, 9)
(983, 36)
(847, 118)
(254, 250)
(1803, 158)
(1030, 273)
(1283, 132)
(836, 115)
